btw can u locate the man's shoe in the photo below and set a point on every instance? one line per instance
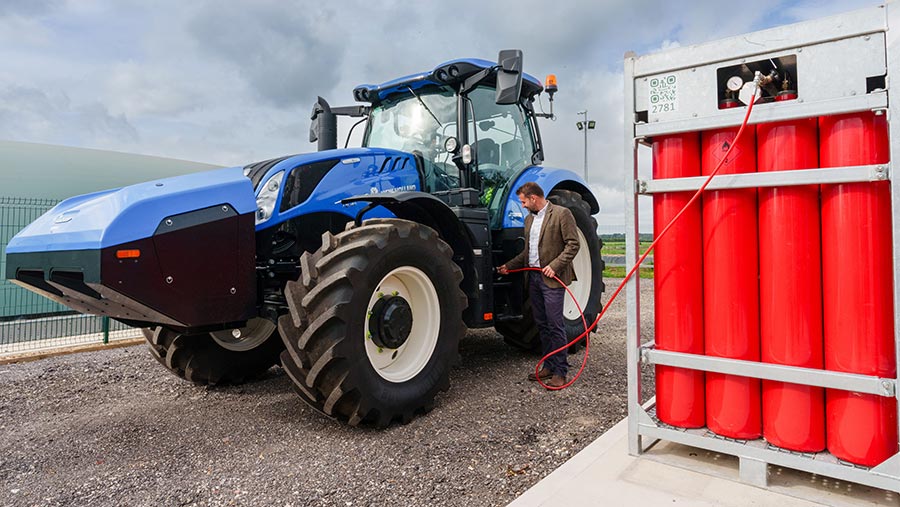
(544, 374)
(556, 381)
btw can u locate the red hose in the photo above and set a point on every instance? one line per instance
(588, 329)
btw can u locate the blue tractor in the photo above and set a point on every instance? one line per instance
(358, 269)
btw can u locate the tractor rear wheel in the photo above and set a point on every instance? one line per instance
(375, 322)
(588, 287)
(233, 356)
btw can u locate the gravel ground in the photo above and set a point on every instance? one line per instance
(115, 428)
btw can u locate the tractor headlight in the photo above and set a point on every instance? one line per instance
(268, 194)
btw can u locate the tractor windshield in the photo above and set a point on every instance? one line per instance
(418, 122)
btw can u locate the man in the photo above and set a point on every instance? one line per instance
(552, 242)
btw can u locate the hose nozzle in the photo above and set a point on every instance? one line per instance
(760, 79)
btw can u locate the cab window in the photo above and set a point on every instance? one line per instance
(502, 140)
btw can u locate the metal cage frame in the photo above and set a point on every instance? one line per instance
(865, 31)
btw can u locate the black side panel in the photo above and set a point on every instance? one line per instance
(509, 289)
(194, 218)
(480, 289)
(199, 275)
(302, 181)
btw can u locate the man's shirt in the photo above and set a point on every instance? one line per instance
(534, 236)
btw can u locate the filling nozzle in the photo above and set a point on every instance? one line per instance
(760, 79)
(768, 81)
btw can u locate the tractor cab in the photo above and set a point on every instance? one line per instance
(469, 123)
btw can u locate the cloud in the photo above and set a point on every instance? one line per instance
(814, 9)
(28, 7)
(134, 89)
(22, 31)
(280, 51)
(27, 114)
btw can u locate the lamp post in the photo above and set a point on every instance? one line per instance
(585, 126)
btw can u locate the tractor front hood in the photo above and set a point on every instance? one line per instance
(178, 251)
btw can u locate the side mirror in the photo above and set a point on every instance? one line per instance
(509, 77)
(324, 126)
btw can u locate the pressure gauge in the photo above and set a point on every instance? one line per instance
(734, 83)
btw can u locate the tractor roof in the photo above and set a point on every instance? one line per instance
(447, 73)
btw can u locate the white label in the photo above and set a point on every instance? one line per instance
(663, 94)
(747, 92)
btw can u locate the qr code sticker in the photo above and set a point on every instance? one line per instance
(663, 94)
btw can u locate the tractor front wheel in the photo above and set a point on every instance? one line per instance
(375, 322)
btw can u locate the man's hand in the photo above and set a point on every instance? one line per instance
(548, 272)
(502, 270)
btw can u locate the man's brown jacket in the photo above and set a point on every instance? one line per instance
(557, 244)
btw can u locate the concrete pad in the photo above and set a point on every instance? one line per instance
(674, 474)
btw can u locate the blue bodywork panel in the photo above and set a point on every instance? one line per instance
(547, 177)
(113, 217)
(358, 171)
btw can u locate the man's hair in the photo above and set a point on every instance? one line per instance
(530, 188)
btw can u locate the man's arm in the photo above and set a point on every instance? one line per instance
(516, 262)
(521, 260)
(569, 232)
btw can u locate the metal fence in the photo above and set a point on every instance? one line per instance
(29, 322)
(613, 251)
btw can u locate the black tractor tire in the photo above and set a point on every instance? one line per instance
(523, 333)
(331, 353)
(200, 359)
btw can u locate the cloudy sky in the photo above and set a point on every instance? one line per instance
(230, 82)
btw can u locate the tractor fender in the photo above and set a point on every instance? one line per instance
(425, 209)
(549, 179)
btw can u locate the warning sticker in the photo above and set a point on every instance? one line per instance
(663, 94)
(719, 154)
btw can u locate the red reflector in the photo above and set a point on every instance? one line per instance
(128, 254)
(488, 316)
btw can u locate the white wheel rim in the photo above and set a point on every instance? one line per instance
(581, 287)
(254, 334)
(403, 363)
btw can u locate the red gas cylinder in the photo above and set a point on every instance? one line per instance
(678, 286)
(731, 286)
(857, 282)
(790, 285)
